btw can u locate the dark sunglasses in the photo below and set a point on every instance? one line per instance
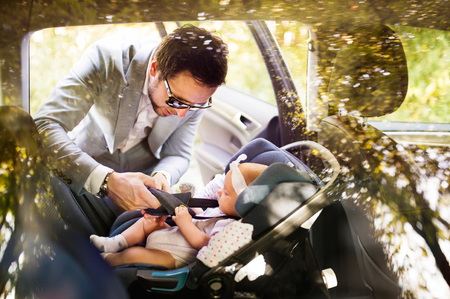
(176, 103)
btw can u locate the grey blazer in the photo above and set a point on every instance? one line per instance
(93, 108)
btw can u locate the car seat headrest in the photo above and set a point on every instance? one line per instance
(265, 183)
(370, 74)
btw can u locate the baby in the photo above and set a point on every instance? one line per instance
(175, 247)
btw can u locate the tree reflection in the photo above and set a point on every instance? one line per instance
(381, 178)
(22, 200)
(365, 74)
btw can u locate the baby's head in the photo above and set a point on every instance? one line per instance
(244, 174)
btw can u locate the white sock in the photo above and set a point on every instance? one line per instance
(105, 244)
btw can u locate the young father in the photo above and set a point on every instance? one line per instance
(126, 115)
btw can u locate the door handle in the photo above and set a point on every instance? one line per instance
(244, 122)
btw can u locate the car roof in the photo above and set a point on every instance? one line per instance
(340, 13)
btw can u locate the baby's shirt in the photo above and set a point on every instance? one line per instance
(172, 240)
(224, 242)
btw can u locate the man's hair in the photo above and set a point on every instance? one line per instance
(196, 50)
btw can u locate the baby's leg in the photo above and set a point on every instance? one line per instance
(141, 255)
(105, 244)
(135, 234)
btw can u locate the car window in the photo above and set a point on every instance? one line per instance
(292, 38)
(428, 56)
(53, 52)
(247, 71)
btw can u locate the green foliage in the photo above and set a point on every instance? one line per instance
(427, 52)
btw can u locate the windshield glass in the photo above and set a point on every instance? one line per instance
(428, 56)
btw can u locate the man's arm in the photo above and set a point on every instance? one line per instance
(129, 191)
(68, 105)
(65, 108)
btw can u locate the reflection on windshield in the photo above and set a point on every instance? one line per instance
(404, 206)
(399, 188)
(427, 52)
(22, 201)
(404, 202)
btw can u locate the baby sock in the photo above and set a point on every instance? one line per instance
(113, 244)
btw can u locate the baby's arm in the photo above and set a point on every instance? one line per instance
(193, 235)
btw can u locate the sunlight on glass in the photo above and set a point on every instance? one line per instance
(53, 52)
(288, 37)
(292, 37)
(247, 71)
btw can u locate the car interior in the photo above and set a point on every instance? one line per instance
(330, 238)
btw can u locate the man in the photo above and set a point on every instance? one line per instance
(125, 116)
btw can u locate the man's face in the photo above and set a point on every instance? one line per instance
(183, 86)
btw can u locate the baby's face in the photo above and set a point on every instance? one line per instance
(227, 197)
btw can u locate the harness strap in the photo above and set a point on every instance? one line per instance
(170, 201)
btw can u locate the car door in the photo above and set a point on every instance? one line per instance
(246, 107)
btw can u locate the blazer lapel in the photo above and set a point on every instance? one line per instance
(163, 128)
(131, 94)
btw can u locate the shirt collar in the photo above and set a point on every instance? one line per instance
(147, 75)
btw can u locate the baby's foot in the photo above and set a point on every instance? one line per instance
(187, 187)
(105, 244)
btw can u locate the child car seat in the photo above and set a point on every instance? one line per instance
(277, 204)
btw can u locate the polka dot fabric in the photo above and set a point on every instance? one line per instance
(226, 242)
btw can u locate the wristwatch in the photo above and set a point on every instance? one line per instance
(103, 192)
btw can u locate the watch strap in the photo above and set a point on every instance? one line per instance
(103, 192)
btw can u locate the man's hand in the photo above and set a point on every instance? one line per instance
(161, 182)
(159, 219)
(128, 190)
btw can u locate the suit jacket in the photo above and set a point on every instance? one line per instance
(93, 108)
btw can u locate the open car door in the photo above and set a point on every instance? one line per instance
(248, 105)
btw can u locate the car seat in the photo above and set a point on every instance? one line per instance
(40, 257)
(278, 204)
(369, 79)
(84, 213)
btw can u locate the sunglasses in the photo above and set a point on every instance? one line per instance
(176, 103)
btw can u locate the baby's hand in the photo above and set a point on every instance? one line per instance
(182, 215)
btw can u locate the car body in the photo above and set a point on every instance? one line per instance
(348, 75)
